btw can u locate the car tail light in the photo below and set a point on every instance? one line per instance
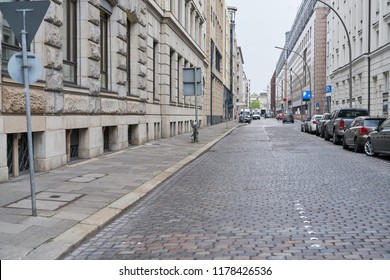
(363, 130)
(342, 124)
(315, 122)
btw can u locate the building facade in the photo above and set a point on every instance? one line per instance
(112, 78)
(218, 51)
(302, 64)
(368, 26)
(240, 94)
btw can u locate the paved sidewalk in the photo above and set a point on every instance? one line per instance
(76, 200)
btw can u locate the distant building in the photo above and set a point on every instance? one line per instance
(302, 65)
(318, 37)
(217, 38)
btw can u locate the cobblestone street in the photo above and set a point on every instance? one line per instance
(266, 191)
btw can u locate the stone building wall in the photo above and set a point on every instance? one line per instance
(83, 118)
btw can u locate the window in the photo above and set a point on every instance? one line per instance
(377, 39)
(104, 17)
(128, 58)
(69, 45)
(186, 15)
(155, 65)
(179, 66)
(218, 59)
(9, 46)
(304, 67)
(388, 32)
(180, 10)
(171, 72)
(386, 124)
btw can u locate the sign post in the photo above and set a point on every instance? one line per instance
(192, 80)
(16, 14)
(328, 92)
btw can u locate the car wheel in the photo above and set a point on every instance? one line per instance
(345, 146)
(336, 139)
(368, 149)
(357, 148)
(322, 134)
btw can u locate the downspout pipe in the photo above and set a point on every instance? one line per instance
(211, 82)
(369, 59)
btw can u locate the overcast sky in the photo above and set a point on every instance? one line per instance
(260, 26)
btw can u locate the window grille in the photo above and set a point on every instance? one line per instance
(9, 153)
(23, 153)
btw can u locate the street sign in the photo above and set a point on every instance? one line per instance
(33, 11)
(306, 95)
(15, 68)
(328, 91)
(192, 81)
(24, 19)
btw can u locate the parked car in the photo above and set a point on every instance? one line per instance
(340, 121)
(320, 129)
(312, 124)
(378, 141)
(279, 116)
(256, 115)
(245, 117)
(288, 118)
(304, 125)
(356, 135)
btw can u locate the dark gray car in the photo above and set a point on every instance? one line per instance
(356, 135)
(378, 141)
(288, 118)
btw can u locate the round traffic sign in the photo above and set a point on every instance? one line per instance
(15, 68)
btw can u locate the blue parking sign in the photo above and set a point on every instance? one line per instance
(306, 95)
(328, 89)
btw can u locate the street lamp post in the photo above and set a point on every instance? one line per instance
(232, 15)
(350, 50)
(304, 61)
(301, 90)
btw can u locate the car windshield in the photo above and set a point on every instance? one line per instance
(246, 114)
(372, 122)
(352, 114)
